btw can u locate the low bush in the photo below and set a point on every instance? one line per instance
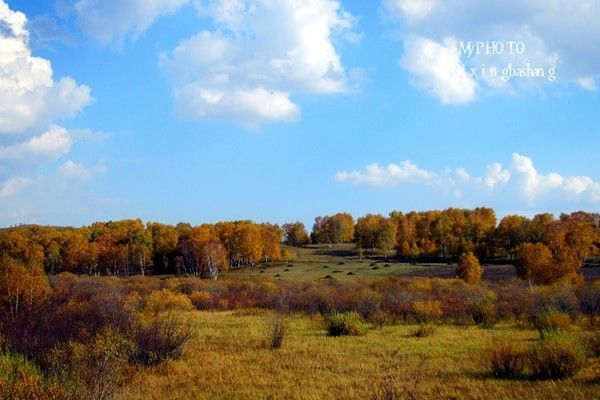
(550, 320)
(427, 310)
(22, 380)
(483, 310)
(277, 330)
(507, 360)
(379, 318)
(201, 299)
(95, 369)
(166, 300)
(424, 330)
(556, 356)
(159, 338)
(345, 323)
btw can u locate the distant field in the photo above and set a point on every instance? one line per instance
(342, 263)
(229, 360)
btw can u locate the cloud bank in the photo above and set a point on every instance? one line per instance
(32, 101)
(521, 180)
(259, 54)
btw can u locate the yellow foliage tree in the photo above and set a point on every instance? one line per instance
(468, 268)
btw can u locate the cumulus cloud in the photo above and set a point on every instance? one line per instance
(412, 10)
(587, 84)
(29, 96)
(260, 53)
(74, 171)
(12, 186)
(559, 35)
(51, 144)
(31, 102)
(111, 21)
(437, 68)
(521, 179)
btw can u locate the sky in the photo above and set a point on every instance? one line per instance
(282, 110)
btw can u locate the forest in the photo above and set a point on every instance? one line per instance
(131, 310)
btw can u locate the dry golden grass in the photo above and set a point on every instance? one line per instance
(231, 359)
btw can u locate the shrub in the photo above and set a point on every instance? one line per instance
(556, 356)
(424, 330)
(378, 318)
(589, 301)
(166, 300)
(96, 369)
(201, 299)
(506, 359)
(550, 320)
(22, 380)
(427, 310)
(560, 296)
(278, 329)
(483, 310)
(345, 323)
(159, 338)
(592, 344)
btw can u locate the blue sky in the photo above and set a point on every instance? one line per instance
(197, 111)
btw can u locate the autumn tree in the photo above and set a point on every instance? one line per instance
(539, 228)
(202, 253)
(451, 229)
(375, 232)
(79, 254)
(295, 234)
(125, 247)
(18, 244)
(482, 224)
(164, 246)
(247, 247)
(271, 236)
(23, 288)
(534, 263)
(334, 229)
(468, 268)
(511, 233)
(386, 237)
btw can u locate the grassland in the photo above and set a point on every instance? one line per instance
(229, 359)
(337, 261)
(342, 263)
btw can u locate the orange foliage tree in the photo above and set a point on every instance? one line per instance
(468, 268)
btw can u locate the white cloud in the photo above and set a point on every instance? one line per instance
(411, 10)
(51, 144)
(74, 171)
(13, 186)
(587, 84)
(557, 34)
(437, 68)
(393, 174)
(495, 175)
(111, 21)
(260, 53)
(521, 180)
(29, 96)
(31, 103)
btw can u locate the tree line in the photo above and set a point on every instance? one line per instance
(557, 246)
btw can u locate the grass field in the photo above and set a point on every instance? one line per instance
(341, 262)
(337, 261)
(229, 359)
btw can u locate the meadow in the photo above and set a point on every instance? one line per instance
(341, 262)
(230, 359)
